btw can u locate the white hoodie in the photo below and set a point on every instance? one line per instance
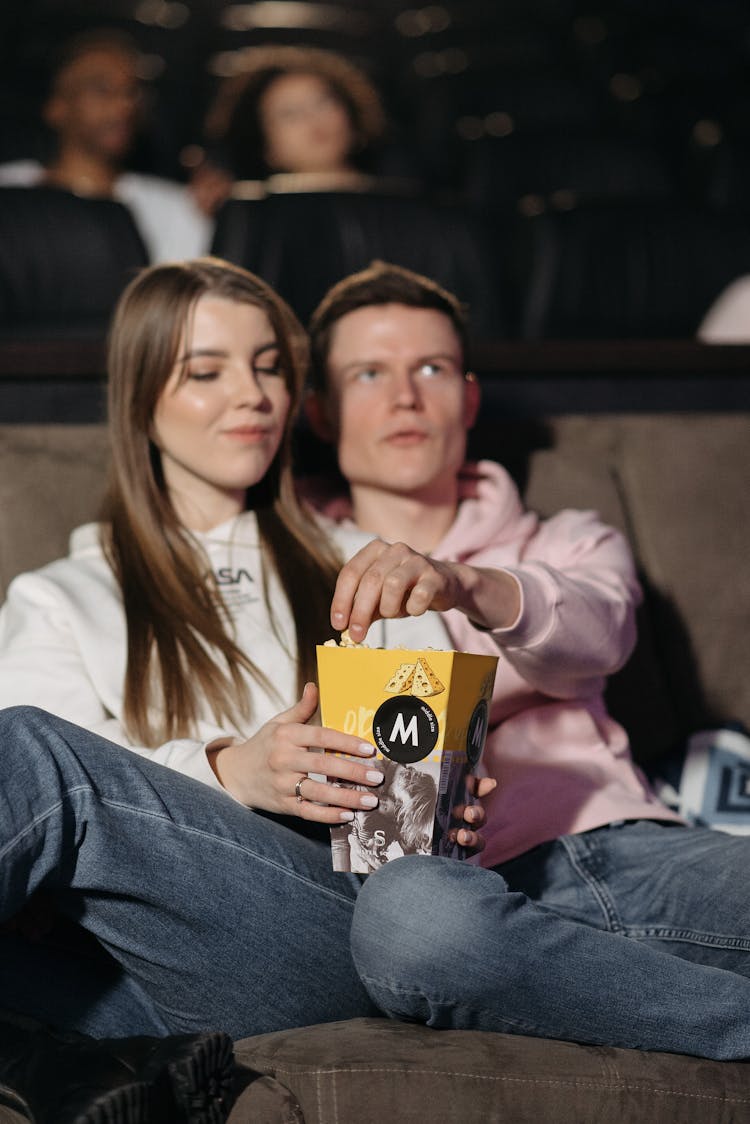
(63, 641)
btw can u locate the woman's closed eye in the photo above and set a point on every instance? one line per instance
(266, 368)
(203, 375)
(267, 362)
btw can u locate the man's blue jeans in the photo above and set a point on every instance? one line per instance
(221, 918)
(634, 935)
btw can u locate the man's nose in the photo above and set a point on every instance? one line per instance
(406, 389)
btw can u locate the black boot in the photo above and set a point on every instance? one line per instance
(195, 1070)
(67, 1078)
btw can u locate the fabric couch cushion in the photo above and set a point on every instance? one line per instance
(375, 1070)
(685, 479)
(51, 480)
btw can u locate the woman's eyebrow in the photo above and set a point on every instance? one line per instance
(196, 352)
(220, 353)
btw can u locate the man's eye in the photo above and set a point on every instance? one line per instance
(430, 369)
(367, 374)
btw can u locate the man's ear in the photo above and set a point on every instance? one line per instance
(318, 414)
(472, 399)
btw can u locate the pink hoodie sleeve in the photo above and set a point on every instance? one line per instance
(577, 620)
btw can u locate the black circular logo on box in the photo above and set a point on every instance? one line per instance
(476, 734)
(405, 729)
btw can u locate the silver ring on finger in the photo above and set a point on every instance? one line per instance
(298, 789)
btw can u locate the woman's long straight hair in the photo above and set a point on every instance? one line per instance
(180, 649)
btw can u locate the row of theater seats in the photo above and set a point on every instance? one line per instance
(596, 270)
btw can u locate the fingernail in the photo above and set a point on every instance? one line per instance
(346, 817)
(374, 776)
(366, 748)
(368, 801)
(338, 618)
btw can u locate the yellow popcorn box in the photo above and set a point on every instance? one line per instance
(426, 713)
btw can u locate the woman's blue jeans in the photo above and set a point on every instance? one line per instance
(634, 935)
(212, 916)
(220, 917)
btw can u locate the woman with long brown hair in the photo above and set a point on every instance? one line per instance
(180, 628)
(187, 618)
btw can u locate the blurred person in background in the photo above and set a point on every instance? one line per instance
(293, 110)
(94, 110)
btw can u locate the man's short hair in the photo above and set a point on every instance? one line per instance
(380, 283)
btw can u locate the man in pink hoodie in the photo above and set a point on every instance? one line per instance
(586, 854)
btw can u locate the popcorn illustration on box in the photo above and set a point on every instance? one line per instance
(426, 712)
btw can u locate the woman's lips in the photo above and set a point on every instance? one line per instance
(247, 433)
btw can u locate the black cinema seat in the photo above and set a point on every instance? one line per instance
(625, 271)
(301, 243)
(63, 261)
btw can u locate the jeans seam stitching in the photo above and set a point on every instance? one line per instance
(574, 848)
(41, 818)
(126, 807)
(688, 936)
(242, 848)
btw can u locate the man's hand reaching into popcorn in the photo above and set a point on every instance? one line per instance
(388, 580)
